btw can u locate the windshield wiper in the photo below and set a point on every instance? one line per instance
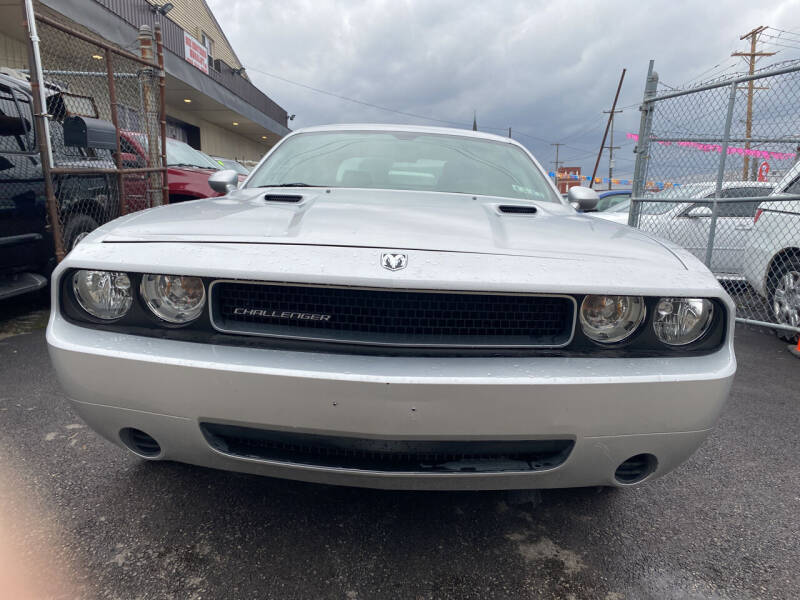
(296, 184)
(189, 165)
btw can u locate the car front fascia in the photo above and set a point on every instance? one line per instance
(611, 407)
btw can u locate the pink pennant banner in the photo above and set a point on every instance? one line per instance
(731, 149)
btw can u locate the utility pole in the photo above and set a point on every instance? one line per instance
(509, 132)
(611, 147)
(605, 133)
(751, 58)
(557, 162)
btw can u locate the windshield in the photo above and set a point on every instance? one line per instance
(232, 164)
(183, 155)
(405, 161)
(179, 154)
(658, 208)
(622, 207)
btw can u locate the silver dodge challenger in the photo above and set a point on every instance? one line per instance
(394, 307)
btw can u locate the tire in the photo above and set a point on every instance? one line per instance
(784, 295)
(77, 228)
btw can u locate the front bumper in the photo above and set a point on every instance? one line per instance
(613, 408)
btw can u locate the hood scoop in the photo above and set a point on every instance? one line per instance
(516, 209)
(287, 198)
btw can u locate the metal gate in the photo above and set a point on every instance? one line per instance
(100, 126)
(717, 173)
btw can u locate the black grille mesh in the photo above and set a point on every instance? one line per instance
(388, 455)
(392, 317)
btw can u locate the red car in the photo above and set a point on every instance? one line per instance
(187, 171)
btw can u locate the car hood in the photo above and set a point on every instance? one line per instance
(384, 219)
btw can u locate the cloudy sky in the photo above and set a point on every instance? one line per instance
(545, 69)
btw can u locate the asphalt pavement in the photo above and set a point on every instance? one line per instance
(81, 518)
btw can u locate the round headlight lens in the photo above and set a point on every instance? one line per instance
(174, 298)
(610, 319)
(681, 321)
(103, 294)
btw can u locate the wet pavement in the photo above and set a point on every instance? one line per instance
(107, 525)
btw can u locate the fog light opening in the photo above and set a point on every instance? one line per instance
(635, 469)
(140, 442)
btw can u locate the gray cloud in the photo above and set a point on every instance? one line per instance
(546, 69)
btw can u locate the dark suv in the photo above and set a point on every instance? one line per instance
(85, 201)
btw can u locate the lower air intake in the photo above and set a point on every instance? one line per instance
(636, 468)
(140, 442)
(387, 455)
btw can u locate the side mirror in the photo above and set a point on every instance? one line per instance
(583, 198)
(224, 181)
(699, 211)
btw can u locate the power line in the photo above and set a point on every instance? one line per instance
(361, 102)
(598, 122)
(784, 31)
(402, 112)
(717, 73)
(698, 76)
(778, 44)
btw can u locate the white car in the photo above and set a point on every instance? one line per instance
(394, 307)
(617, 213)
(773, 253)
(688, 224)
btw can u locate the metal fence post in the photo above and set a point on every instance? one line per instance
(43, 129)
(147, 52)
(162, 129)
(643, 145)
(112, 95)
(720, 175)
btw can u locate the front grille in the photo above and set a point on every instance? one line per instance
(390, 317)
(413, 456)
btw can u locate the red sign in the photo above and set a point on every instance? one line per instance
(195, 53)
(763, 171)
(564, 178)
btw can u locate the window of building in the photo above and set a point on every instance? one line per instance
(209, 46)
(183, 132)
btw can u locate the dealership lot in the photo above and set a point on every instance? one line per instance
(724, 525)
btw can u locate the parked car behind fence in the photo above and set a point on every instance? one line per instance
(611, 198)
(772, 267)
(683, 215)
(26, 244)
(715, 133)
(227, 163)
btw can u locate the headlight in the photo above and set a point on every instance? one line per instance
(609, 319)
(103, 294)
(173, 298)
(681, 321)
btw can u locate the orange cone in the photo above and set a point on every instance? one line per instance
(795, 351)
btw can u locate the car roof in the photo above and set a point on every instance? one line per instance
(787, 179)
(613, 193)
(11, 81)
(701, 188)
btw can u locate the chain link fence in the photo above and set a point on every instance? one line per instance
(104, 120)
(717, 173)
